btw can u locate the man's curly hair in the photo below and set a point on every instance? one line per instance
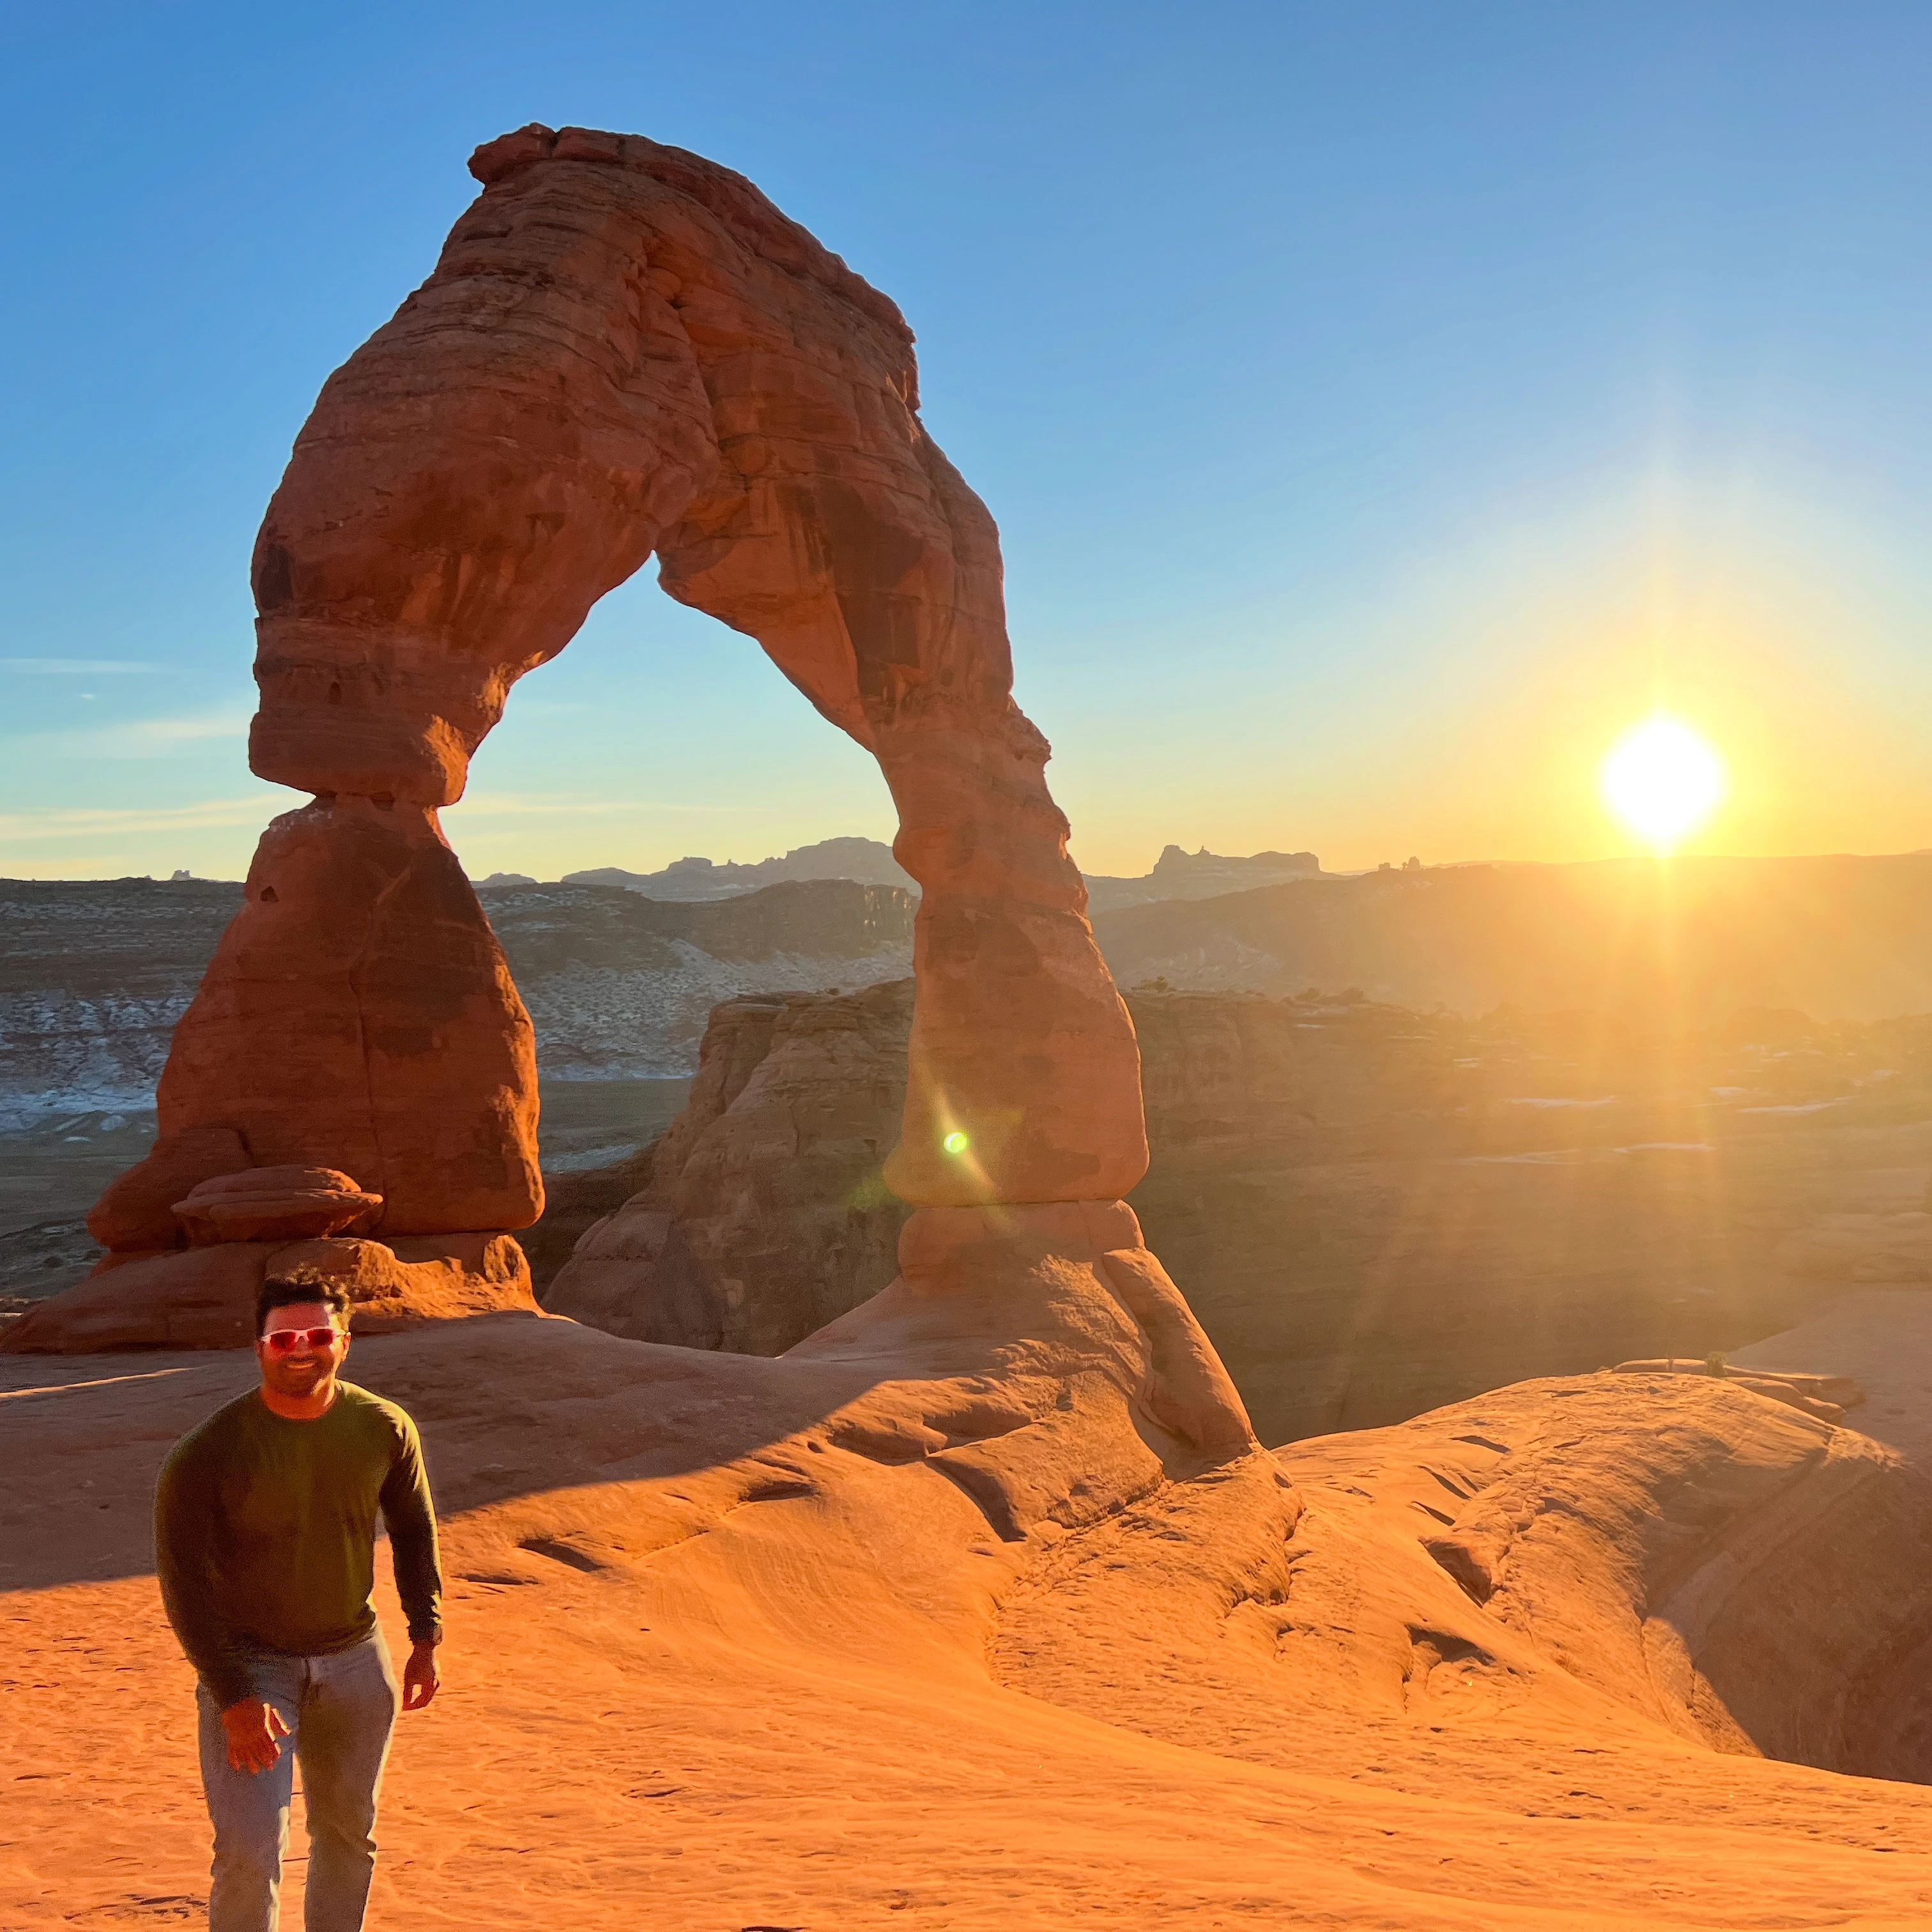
(300, 1284)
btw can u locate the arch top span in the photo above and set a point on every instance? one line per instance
(626, 349)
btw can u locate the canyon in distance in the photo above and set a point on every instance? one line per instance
(1377, 1197)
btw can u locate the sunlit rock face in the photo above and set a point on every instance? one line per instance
(985, 1591)
(627, 350)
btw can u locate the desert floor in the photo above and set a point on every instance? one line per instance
(717, 1660)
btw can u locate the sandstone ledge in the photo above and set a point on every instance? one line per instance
(205, 1297)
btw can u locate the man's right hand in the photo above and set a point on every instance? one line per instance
(253, 1730)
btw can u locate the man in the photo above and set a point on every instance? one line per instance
(264, 1526)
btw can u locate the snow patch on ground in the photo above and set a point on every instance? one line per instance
(62, 1054)
(59, 1054)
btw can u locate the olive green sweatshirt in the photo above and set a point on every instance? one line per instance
(265, 1530)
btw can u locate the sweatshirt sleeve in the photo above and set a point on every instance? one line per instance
(185, 1547)
(411, 1517)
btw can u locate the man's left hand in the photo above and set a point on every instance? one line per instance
(421, 1677)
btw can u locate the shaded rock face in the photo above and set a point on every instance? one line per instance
(138, 1210)
(358, 1014)
(204, 1298)
(187, 1277)
(1373, 1210)
(763, 1212)
(267, 1203)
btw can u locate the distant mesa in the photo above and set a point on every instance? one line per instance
(867, 861)
(1200, 875)
(1177, 875)
(1731, 935)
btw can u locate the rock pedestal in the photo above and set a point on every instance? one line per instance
(359, 1016)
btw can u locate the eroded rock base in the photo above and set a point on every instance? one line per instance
(205, 1297)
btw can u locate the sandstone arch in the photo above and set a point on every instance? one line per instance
(624, 349)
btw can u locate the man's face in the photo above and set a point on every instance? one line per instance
(301, 1369)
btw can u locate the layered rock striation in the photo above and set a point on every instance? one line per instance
(992, 1565)
(358, 1016)
(620, 986)
(94, 974)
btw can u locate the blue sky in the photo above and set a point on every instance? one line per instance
(1382, 405)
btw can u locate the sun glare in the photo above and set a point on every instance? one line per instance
(1663, 781)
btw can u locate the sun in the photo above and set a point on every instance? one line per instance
(1663, 780)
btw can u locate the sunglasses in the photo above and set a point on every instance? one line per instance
(287, 1341)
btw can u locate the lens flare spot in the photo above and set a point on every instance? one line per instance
(1663, 780)
(956, 1142)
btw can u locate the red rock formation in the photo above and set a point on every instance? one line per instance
(137, 1211)
(763, 1214)
(1827, 1397)
(204, 1298)
(267, 1203)
(359, 1016)
(938, 1619)
(626, 349)
(1509, 1665)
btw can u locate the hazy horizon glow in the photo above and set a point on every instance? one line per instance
(1379, 411)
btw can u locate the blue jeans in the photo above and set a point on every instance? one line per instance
(340, 1711)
